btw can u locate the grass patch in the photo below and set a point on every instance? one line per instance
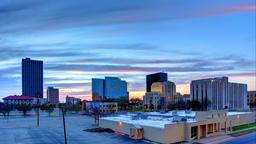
(245, 126)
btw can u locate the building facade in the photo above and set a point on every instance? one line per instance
(218, 93)
(53, 95)
(154, 100)
(73, 100)
(156, 77)
(109, 88)
(251, 99)
(212, 93)
(32, 78)
(166, 89)
(98, 89)
(103, 107)
(237, 96)
(177, 126)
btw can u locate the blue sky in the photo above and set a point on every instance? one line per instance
(83, 39)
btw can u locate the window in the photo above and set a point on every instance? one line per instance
(193, 131)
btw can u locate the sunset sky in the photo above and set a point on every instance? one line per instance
(79, 40)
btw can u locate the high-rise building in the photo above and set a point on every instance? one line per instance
(212, 93)
(32, 78)
(251, 99)
(237, 96)
(98, 89)
(156, 77)
(166, 89)
(53, 95)
(109, 88)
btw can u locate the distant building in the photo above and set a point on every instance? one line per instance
(251, 99)
(212, 93)
(103, 107)
(180, 97)
(166, 89)
(153, 100)
(237, 96)
(14, 100)
(73, 100)
(32, 78)
(156, 77)
(53, 95)
(109, 88)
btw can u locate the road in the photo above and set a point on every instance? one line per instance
(244, 139)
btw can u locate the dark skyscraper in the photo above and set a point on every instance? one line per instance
(32, 78)
(156, 77)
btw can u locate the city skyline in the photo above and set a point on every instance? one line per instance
(84, 40)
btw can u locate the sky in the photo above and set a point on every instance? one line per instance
(84, 39)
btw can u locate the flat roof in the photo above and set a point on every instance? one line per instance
(154, 119)
(236, 113)
(159, 120)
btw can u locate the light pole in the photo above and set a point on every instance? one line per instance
(64, 124)
(37, 108)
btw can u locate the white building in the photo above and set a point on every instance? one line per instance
(237, 96)
(176, 126)
(212, 93)
(218, 93)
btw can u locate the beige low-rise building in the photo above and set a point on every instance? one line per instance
(176, 126)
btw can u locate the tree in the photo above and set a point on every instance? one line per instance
(194, 105)
(49, 109)
(5, 109)
(123, 103)
(24, 108)
(77, 108)
(43, 107)
(136, 101)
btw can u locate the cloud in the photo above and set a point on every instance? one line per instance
(48, 15)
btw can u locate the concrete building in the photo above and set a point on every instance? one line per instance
(53, 95)
(14, 100)
(176, 126)
(218, 93)
(237, 96)
(166, 89)
(156, 77)
(109, 88)
(73, 100)
(154, 100)
(251, 99)
(32, 78)
(212, 93)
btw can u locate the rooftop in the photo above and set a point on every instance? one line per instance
(159, 120)
(15, 97)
